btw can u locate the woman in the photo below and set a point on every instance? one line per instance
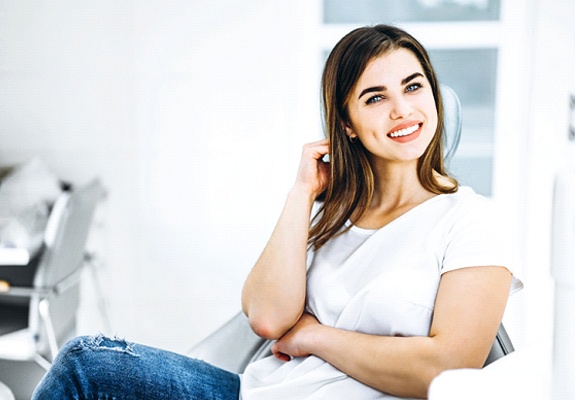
(400, 277)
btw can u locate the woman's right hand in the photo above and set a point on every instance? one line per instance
(275, 290)
(313, 173)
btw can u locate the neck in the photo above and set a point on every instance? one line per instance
(397, 184)
(397, 190)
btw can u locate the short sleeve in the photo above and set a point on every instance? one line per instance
(478, 237)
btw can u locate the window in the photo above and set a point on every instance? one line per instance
(472, 74)
(393, 11)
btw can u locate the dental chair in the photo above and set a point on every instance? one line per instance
(38, 317)
(234, 345)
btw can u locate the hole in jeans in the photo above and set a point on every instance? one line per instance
(101, 342)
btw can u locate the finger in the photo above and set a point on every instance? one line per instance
(317, 149)
(320, 142)
(281, 356)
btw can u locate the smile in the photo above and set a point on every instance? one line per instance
(404, 132)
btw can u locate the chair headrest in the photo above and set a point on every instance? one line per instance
(451, 121)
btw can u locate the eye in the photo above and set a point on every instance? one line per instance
(413, 87)
(374, 99)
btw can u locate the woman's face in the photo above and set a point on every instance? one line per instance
(392, 109)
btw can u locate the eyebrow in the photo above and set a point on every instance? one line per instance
(383, 88)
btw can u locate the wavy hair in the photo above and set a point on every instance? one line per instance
(351, 184)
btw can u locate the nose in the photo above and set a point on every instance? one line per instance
(400, 108)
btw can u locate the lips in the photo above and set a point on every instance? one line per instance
(405, 132)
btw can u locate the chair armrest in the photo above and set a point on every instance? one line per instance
(501, 347)
(231, 347)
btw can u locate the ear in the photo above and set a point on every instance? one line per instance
(348, 130)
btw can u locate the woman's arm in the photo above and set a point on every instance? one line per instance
(274, 293)
(468, 311)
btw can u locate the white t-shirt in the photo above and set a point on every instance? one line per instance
(383, 282)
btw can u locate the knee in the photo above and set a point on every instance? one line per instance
(71, 349)
(64, 372)
(83, 364)
(87, 350)
(77, 345)
(73, 344)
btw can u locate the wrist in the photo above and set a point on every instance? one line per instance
(314, 338)
(302, 193)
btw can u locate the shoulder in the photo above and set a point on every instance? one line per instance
(473, 221)
(478, 234)
(469, 214)
(466, 201)
(449, 208)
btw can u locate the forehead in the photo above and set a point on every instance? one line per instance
(390, 69)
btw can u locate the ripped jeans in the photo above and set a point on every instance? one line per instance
(102, 368)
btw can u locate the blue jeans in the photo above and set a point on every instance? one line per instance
(102, 368)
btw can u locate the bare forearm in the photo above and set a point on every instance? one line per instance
(273, 297)
(402, 366)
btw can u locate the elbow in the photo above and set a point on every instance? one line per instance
(270, 325)
(270, 321)
(419, 385)
(265, 330)
(268, 328)
(446, 360)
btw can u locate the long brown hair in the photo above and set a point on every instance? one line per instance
(351, 183)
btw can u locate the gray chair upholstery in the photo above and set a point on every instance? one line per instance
(501, 347)
(451, 122)
(39, 318)
(234, 345)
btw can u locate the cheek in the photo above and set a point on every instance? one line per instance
(432, 117)
(433, 124)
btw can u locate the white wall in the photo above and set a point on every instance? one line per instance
(223, 103)
(193, 114)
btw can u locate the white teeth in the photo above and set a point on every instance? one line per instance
(405, 131)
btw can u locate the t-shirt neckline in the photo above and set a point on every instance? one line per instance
(365, 231)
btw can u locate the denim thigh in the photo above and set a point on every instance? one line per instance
(103, 368)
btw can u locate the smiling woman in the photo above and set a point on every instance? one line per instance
(377, 307)
(372, 300)
(369, 71)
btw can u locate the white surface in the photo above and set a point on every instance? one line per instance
(5, 393)
(18, 345)
(563, 251)
(523, 374)
(563, 343)
(563, 271)
(14, 256)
